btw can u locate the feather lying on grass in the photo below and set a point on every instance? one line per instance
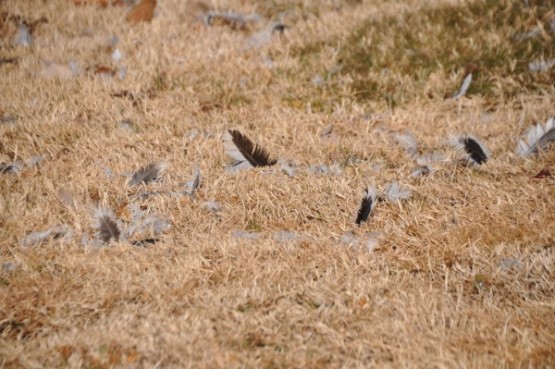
(420, 170)
(264, 37)
(234, 20)
(466, 82)
(148, 173)
(537, 138)
(288, 167)
(10, 168)
(408, 140)
(35, 238)
(395, 192)
(245, 153)
(192, 186)
(367, 204)
(106, 225)
(477, 151)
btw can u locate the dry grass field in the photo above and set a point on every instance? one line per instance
(265, 267)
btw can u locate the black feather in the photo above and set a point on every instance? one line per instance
(366, 206)
(244, 150)
(475, 150)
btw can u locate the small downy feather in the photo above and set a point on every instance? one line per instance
(395, 192)
(106, 225)
(35, 238)
(537, 138)
(245, 153)
(408, 140)
(478, 152)
(193, 185)
(146, 174)
(367, 204)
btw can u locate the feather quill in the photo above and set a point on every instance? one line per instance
(245, 153)
(367, 204)
(193, 185)
(537, 138)
(478, 152)
(146, 174)
(106, 225)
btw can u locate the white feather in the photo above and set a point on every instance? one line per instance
(537, 138)
(464, 87)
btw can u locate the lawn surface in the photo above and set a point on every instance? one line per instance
(265, 267)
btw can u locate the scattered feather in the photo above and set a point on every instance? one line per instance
(23, 36)
(537, 138)
(212, 206)
(117, 55)
(323, 169)
(420, 170)
(327, 131)
(106, 225)
(396, 192)
(478, 152)
(286, 236)
(373, 241)
(466, 82)
(367, 204)
(264, 37)
(510, 263)
(349, 239)
(408, 140)
(245, 153)
(145, 242)
(152, 225)
(146, 174)
(192, 186)
(234, 20)
(7, 119)
(35, 161)
(35, 238)
(142, 12)
(288, 167)
(541, 66)
(245, 235)
(66, 197)
(9, 267)
(14, 168)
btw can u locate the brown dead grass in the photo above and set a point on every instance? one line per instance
(464, 273)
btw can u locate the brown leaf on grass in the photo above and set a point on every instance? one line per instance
(8, 60)
(142, 12)
(544, 173)
(104, 70)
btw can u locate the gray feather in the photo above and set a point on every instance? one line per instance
(147, 174)
(106, 225)
(537, 138)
